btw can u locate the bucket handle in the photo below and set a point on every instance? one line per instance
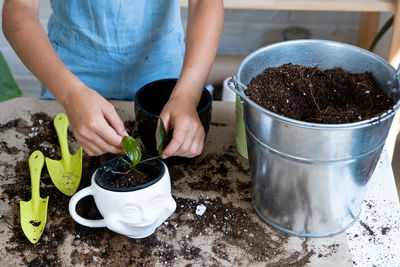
(396, 81)
(236, 86)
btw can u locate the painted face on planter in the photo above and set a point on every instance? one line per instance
(141, 215)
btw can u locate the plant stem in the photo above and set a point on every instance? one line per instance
(127, 162)
(133, 166)
(149, 159)
(137, 171)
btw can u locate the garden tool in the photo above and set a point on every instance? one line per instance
(34, 212)
(65, 173)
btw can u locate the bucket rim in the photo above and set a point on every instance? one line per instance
(358, 124)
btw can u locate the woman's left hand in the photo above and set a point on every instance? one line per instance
(180, 115)
(204, 28)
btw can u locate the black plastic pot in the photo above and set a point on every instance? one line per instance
(149, 102)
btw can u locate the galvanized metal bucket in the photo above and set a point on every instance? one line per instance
(310, 179)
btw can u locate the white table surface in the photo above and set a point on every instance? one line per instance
(374, 240)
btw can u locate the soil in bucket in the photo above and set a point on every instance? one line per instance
(310, 94)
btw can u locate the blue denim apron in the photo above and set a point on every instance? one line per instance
(117, 46)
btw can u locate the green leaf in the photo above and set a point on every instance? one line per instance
(161, 137)
(8, 87)
(132, 149)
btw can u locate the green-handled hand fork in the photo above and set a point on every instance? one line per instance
(33, 213)
(65, 173)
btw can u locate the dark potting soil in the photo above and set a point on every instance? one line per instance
(311, 94)
(128, 178)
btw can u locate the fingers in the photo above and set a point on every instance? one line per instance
(108, 136)
(98, 137)
(186, 142)
(101, 147)
(95, 145)
(111, 116)
(93, 149)
(188, 136)
(95, 123)
(197, 145)
(175, 144)
(194, 148)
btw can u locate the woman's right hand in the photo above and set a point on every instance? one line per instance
(94, 122)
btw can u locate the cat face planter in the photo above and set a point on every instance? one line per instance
(135, 212)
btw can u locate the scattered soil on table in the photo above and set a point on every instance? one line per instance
(234, 226)
(216, 169)
(9, 150)
(370, 232)
(310, 94)
(41, 135)
(385, 230)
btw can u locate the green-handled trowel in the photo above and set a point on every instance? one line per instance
(34, 212)
(65, 173)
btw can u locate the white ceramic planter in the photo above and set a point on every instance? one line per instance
(135, 212)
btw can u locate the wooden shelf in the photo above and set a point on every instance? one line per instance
(312, 5)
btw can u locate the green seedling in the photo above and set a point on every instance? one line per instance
(133, 150)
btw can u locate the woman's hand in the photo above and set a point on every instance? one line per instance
(94, 122)
(180, 115)
(204, 28)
